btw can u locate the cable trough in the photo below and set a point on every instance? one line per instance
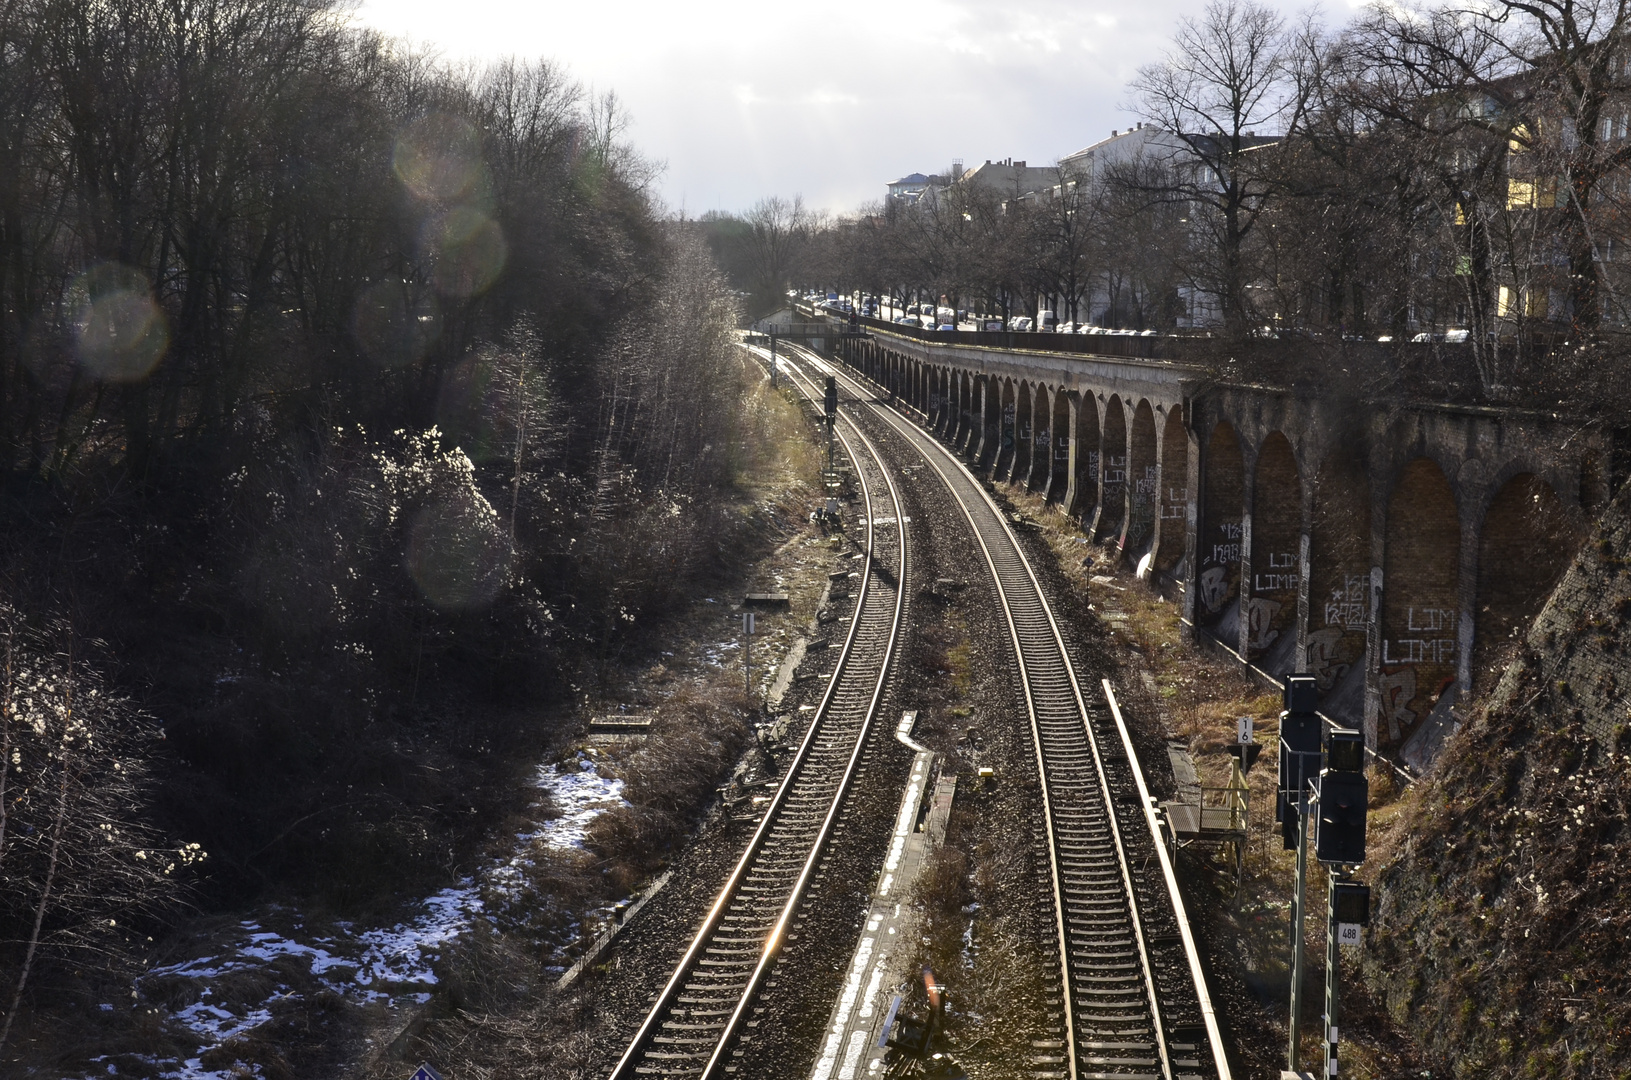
(697, 1020)
(1131, 998)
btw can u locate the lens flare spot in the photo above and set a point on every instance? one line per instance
(438, 158)
(469, 251)
(458, 555)
(120, 333)
(395, 323)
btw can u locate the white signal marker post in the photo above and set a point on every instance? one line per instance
(747, 653)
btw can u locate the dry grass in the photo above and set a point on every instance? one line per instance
(1198, 697)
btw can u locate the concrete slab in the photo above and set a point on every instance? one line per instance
(850, 1049)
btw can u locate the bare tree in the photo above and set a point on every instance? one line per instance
(1220, 91)
(778, 235)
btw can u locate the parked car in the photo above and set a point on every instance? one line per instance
(1021, 324)
(946, 326)
(1046, 320)
(991, 324)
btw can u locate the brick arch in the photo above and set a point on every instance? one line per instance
(1087, 458)
(1270, 616)
(1174, 492)
(1217, 546)
(1421, 578)
(1142, 495)
(988, 395)
(1059, 470)
(967, 428)
(1008, 425)
(1113, 487)
(1526, 541)
(1339, 583)
(1570, 499)
(1041, 439)
(1024, 400)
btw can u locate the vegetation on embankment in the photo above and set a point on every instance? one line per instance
(355, 411)
(1501, 935)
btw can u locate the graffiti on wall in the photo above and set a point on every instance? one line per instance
(1007, 427)
(1144, 488)
(1225, 547)
(1115, 469)
(1323, 657)
(1346, 608)
(1280, 574)
(1214, 587)
(1398, 690)
(1176, 505)
(1426, 645)
(1042, 438)
(1260, 632)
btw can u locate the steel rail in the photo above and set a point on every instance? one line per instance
(996, 528)
(798, 776)
(1174, 893)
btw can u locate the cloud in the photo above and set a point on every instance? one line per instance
(743, 100)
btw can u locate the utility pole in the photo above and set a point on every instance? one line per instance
(747, 654)
(1322, 782)
(1304, 805)
(832, 417)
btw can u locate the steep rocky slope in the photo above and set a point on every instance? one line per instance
(1502, 936)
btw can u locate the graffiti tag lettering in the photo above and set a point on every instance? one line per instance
(1346, 607)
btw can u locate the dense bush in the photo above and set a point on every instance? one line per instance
(363, 406)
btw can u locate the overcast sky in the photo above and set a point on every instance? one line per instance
(832, 100)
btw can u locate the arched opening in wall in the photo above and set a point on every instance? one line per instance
(1141, 480)
(1022, 434)
(1087, 458)
(1217, 546)
(1009, 431)
(1339, 556)
(1421, 612)
(991, 434)
(1276, 557)
(1174, 494)
(1059, 481)
(1041, 440)
(965, 408)
(1113, 500)
(1528, 540)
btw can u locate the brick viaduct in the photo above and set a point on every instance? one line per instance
(1392, 550)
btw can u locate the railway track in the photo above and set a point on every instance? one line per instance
(1132, 1002)
(699, 1017)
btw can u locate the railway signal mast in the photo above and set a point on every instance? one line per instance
(1323, 799)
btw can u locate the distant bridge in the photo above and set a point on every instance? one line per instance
(1391, 549)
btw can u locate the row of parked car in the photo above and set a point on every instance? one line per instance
(930, 316)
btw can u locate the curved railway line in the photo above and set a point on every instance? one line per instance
(1132, 999)
(698, 1017)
